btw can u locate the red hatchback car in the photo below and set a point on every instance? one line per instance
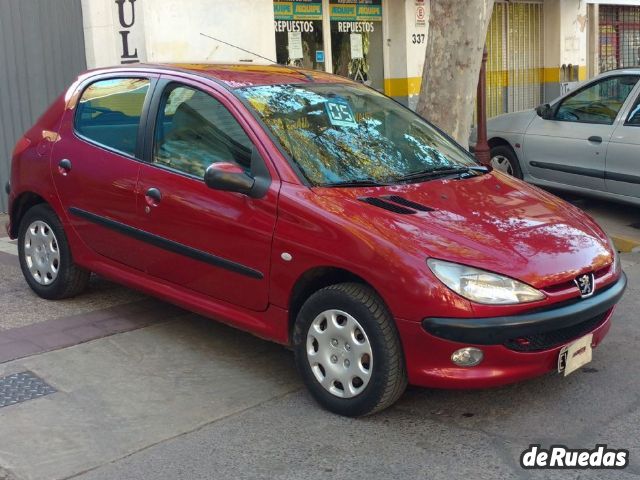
(317, 213)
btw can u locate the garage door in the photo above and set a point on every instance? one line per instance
(41, 51)
(515, 72)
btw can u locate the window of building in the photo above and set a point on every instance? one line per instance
(109, 112)
(299, 39)
(194, 130)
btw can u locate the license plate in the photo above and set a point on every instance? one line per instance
(575, 355)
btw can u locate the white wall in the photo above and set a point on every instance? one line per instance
(169, 30)
(173, 30)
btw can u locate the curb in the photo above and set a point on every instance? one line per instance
(626, 244)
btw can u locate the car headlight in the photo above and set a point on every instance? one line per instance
(481, 286)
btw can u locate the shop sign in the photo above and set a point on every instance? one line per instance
(300, 10)
(128, 20)
(355, 10)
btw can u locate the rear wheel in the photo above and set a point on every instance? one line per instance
(45, 258)
(348, 351)
(504, 159)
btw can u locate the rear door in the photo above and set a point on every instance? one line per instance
(95, 164)
(213, 242)
(623, 156)
(571, 147)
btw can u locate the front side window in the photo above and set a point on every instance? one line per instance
(194, 130)
(341, 134)
(109, 112)
(634, 116)
(598, 103)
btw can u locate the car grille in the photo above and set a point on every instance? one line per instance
(554, 338)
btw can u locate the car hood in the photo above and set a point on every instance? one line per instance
(511, 122)
(492, 221)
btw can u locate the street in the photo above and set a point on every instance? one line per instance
(144, 390)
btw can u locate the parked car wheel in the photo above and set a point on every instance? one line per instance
(504, 159)
(45, 258)
(348, 351)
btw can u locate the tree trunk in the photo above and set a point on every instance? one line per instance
(457, 34)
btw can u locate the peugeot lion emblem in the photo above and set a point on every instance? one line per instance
(586, 284)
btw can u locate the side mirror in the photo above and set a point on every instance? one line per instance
(228, 177)
(544, 111)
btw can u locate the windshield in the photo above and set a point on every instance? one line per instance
(345, 134)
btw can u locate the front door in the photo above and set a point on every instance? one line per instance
(213, 242)
(623, 161)
(95, 165)
(571, 147)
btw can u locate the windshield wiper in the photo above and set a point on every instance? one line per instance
(442, 172)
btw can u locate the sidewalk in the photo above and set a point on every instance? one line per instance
(144, 390)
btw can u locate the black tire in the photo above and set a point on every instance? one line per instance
(388, 377)
(71, 279)
(507, 152)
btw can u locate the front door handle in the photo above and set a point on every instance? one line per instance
(153, 197)
(595, 139)
(64, 166)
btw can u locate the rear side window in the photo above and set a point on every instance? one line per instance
(109, 112)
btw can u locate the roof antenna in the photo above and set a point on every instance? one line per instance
(305, 75)
(239, 48)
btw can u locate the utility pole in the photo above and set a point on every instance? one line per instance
(482, 151)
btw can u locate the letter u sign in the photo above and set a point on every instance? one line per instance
(127, 21)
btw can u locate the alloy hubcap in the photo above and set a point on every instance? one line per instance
(41, 253)
(502, 163)
(339, 353)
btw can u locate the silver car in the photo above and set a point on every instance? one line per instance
(587, 141)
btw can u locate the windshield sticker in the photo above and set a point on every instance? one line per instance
(340, 114)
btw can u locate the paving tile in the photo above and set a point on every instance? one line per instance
(52, 340)
(18, 349)
(87, 332)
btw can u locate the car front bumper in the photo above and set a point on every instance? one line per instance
(515, 347)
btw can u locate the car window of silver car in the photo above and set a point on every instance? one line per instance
(599, 102)
(634, 116)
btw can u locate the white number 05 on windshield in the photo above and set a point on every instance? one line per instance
(340, 114)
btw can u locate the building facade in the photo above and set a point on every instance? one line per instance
(537, 48)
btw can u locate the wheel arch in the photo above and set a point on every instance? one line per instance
(20, 206)
(315, 279)
(499, 141)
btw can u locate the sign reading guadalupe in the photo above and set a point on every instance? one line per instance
(299, 10)
(355, 10)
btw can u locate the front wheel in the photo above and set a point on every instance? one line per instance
(348, 351)
(504, 159)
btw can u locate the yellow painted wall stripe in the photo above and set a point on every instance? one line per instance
(402, 87)
(406, 87)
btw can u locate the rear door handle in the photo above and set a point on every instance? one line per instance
(64, 166)
(595, 139)
(153, 197)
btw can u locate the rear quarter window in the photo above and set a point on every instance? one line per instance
(109, 111)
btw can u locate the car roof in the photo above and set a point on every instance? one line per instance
(618, 71)
(240, 75)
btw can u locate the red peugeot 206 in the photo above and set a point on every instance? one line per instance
(317, 213)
